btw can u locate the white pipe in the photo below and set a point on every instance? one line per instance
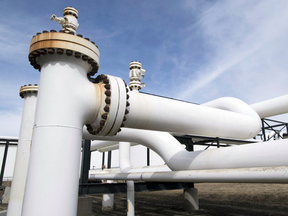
(124, 161)
(125, 167)
(67, 101)
(109, 148)
(130, 198)
(124, 157)
(240, 175)
(157, 168)
(231, 104)
(29, 93)
(104, 146)
(53, 173)
(272, 107)
(162, 114)
(98, 144)
(166, 146)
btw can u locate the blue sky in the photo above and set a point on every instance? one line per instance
(191, 50)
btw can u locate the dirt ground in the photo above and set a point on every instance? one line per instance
(214, 199)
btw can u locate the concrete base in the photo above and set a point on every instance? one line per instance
(6, 195)
(3, 213)
(84, 206)
(190, 202)
(108, 202)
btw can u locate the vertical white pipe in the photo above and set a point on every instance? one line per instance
(124, 157)
(29, 93)
(130, 198)
(63, 106)
(125, 166)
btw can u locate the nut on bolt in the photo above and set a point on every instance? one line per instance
(108, 93)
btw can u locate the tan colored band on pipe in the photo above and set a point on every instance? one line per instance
(26, 89)
(64, 41)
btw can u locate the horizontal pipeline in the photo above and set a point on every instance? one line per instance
(240, 175)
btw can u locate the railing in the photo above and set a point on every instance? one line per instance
(6, 142)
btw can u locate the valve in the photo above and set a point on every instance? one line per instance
(135, 76)
(69, 21)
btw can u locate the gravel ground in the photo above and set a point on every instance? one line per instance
(214, 199)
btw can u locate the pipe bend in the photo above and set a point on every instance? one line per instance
(233, 105)
(163, 143)
(177, 158)
(238, 106)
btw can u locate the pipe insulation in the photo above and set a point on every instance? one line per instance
(241, 175)
(272, 107)
(265, 154)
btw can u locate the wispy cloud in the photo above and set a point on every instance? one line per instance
(235, 33)
(192, 50)
(206, 77)
(13, 43)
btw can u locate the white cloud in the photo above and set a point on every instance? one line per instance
(244, 39)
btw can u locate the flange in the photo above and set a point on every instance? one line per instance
(112, 112)
(64, 43)
(28, 89)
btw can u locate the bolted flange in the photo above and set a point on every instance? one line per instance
(62, 43)
(114, 107)
(24, 90)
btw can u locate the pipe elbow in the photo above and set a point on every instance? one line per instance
(238, 106)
